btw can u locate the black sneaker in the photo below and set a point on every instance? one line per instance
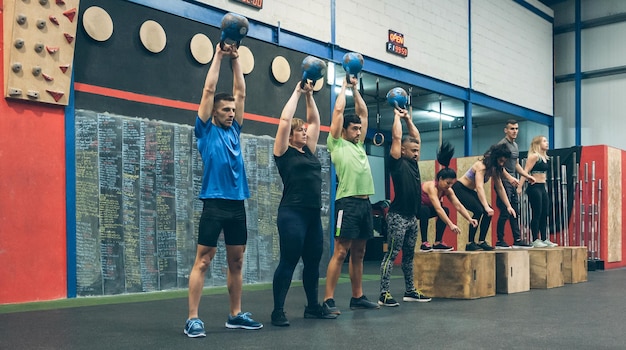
(416, 295)
(387, 300)
(425, 247)
(318, 311)
(471, 247)
(330, 308)
(485, 246)
(362, 303)
(442, 247)
(279, 319)
(502, 245)
(522, 244)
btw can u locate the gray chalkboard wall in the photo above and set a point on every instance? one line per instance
(137, 182)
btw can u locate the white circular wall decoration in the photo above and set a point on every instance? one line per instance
(247, 59)
(281, 69)
(201, 48)
(319, 84)
(152, 36)
(97, 23)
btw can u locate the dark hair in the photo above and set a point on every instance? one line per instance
(444, 156)
(490, 158)
(411, 139)
(350, 119)
(222, 96)
(511, 121)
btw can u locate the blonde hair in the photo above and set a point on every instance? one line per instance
(535, 147)
(295, 123)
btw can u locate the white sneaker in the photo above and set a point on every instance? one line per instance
(539, 244)
(550, 244)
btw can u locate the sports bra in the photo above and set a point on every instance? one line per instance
(541, 167)
(471, 174)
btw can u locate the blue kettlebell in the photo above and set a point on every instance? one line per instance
(397, 98)
(234, 29)
(313, 69)
(352, 63)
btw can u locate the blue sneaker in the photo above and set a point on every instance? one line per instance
(194, 328)
(242, 320)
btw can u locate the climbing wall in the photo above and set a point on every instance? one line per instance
(39, 49)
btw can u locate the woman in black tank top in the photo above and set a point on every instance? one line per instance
(537, 166)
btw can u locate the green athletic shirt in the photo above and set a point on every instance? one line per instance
(352, 168)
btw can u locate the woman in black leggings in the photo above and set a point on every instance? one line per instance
(470, 190)
(537, 166)
(299, 222)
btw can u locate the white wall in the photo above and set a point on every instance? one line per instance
(512, 54)
(310, 18)
(602, 100)
(435, 32)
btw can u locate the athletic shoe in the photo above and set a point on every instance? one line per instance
(387, 300)
(318, 311)
(485, 246)
(362, 303)
(425, 247)
(330, 308)
(416, 295)
(550, 244)
(539, 244)
(279, 319)
(194, 328)
(243, 321)
(502, 245)
(522, 244)
(470, 247)
(442, 247)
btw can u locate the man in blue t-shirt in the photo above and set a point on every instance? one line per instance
(224, 189)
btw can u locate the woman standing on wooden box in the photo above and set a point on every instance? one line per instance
(537, 166)
(432, 202)
(470, 189)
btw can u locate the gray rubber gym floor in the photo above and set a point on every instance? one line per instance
(589, 315)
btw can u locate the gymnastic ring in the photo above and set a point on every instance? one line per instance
(382, 139)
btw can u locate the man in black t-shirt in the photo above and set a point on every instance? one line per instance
(404, 209)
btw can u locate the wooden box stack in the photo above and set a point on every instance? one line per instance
(457, 275)
(512, 271)
(546, 267)
(574, 264)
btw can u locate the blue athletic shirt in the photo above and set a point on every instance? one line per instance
(224, 173)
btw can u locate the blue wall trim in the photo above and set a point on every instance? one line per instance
(212, 16)
(70, 190)
(535, 10)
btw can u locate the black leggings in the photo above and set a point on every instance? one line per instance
(301, 236)
(469, 199)
(427, 212)
(539, 202)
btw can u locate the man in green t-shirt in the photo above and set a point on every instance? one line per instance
(353, 211)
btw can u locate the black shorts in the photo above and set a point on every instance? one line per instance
(223, 214)
(353, 218)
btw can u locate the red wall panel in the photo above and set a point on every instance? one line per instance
(32, 201)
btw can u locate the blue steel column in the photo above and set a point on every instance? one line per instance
(468, 102)
(577, 74)
(70, 192)
(468, 128)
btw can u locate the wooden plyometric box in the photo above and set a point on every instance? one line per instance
(512, 271)
(574, 264)
(457, 275)
(546, 267)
